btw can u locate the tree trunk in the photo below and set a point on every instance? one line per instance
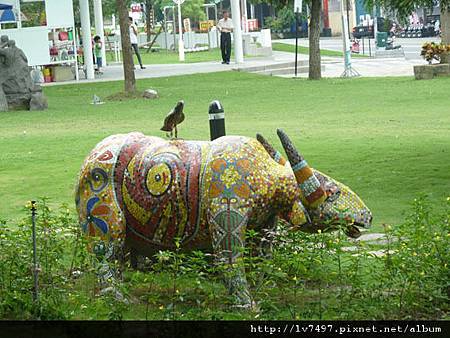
(148, 19)
(127, 54)
(445, 31)
(314, 40)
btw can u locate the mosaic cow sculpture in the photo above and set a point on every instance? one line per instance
(145, 194)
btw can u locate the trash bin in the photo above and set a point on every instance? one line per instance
(326, 32)
(382, 39)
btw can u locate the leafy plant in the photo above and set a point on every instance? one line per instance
(283, 21)
(434, 51)
(304, 276)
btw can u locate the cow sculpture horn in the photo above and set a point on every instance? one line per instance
(275, 154)
(307, 181)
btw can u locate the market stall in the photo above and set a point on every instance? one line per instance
(45, 31)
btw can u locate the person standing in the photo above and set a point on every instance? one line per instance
(225, 27)
(134, 40)
(98, 53)
(437, 27)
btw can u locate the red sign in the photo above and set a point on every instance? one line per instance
(252, 24)
(136, 8)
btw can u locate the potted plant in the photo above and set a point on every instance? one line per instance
(433, 52)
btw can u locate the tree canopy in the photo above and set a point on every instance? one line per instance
(405, 7)
(191, 9)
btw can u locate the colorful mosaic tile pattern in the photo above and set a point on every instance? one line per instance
(151, 192)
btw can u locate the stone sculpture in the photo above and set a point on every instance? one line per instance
(17, 92)
(144, 193)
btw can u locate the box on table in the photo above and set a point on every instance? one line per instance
(62, 73)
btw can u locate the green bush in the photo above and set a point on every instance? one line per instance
(282, 22)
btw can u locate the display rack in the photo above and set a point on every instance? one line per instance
(50, 45)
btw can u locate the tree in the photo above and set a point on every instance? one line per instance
(445, 29)
(109, 8)
(148, 23)
(192, 9)
(315, 68)
(127, 55)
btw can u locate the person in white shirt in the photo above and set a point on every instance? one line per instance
(134, 40)
(225, 27)
(437, 27)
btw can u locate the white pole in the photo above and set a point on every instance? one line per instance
(180, 34)
(99, 29)
(237, 32)
(375, 25)
(74, 42)
(348, 69)
(245, 15)
(87, 43)
(19, 19)
(345, 41)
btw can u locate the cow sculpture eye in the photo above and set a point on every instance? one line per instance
(98, 180)
(159, 178)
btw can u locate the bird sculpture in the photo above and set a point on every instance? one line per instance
(174, 118)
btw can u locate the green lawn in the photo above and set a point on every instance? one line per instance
(387, 138)
(284, 47)
(167, 57)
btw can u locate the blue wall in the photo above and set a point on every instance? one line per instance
(361, 9)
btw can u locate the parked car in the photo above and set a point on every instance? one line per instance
(367, 31)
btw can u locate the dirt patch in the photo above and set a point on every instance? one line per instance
(125, 96)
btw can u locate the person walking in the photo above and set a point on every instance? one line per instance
(134, 40)
(225, 27)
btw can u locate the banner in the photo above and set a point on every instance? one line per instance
(206, 25)
(7, 11)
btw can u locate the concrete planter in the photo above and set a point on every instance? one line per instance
(427, 72)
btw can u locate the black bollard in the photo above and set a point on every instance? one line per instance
(216, 120)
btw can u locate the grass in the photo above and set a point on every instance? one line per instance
(284, 47)
(387, 138)
(168, 57)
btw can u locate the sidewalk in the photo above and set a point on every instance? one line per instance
(369, 67)
(333, 68)
(114, 72)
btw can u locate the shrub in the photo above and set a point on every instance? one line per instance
(56, 235)
(306, 276)
(282, 22)
(434, 51)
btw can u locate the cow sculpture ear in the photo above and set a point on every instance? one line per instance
(308, 183)
(275, 154)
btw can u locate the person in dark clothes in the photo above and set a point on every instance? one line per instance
(134, 41)
(225, 27)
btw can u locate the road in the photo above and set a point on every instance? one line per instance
(411, 46)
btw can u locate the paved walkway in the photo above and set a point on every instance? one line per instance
(411, 47)
(369, 67)
(333, 68)
(372, 239)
